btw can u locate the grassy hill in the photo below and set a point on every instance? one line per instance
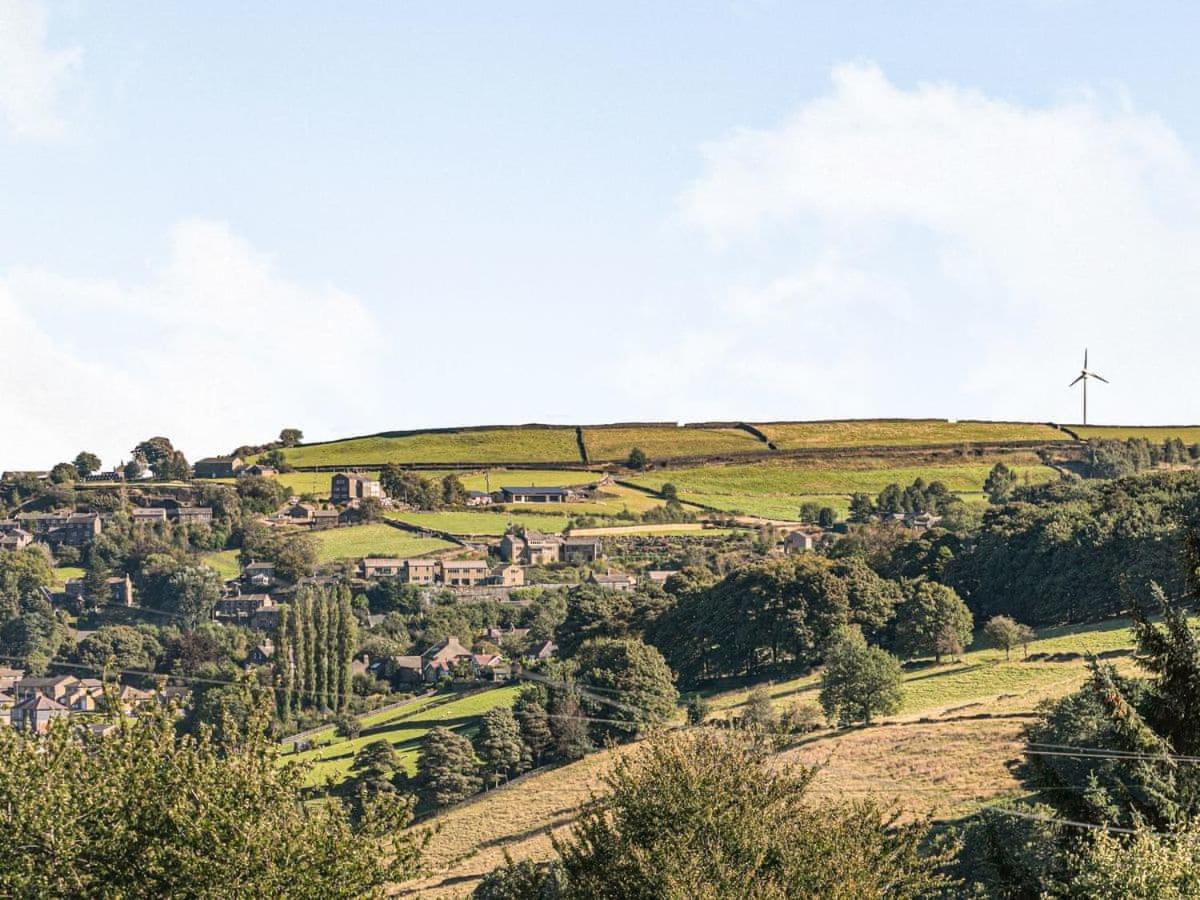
(1189, 434)
(523, 445)
(947, 754)
(469, 523)
(404, 728)
(373, 540)
(667, 442)
(775, 488)
(903, 433)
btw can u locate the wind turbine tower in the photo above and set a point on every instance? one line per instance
(1085, 375)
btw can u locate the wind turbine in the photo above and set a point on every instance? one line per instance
(1085, 375)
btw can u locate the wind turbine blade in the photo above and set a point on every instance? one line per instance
(1100, 377)
(1085, 357)
(1077, 380)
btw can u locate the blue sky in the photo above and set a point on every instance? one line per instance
(220, 219)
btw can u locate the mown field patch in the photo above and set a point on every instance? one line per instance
(1189, 434)
(373, 540)
(534, 445)
(668, 442)
(480, 523)
(900, 433)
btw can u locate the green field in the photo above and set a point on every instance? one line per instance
(667, 442)
(1189, 434)
(494, 479)
(776, 488)
(63, 574)
(404, 729)
(373, 540)
(480, 523)
(533, 445)
(899, 433)
(225, 563)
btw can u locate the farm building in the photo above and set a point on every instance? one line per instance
(578, 550)
(217, 467)
(532, 549)
(615, 581)
(347, 486)
(464, 572)
(534, 494)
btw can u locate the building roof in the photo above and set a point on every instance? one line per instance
(546, 491)
(38, 703)
(465, 563)
(582, 541)
(445, 650)
(213, 460)
(383, 561)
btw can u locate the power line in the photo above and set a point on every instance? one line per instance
(1073, 823)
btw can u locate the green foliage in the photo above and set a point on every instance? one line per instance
(859, 681)
(1145, 866)
(161, 457)
(144, 813)
(448, 768)
(632, 671)
(87, 463)
(116, 647)
(705, 815)
(697, 709)
(22, 574)
(534, 723)
(759, 714)
(1000, 483)
(1006, 632)
(290, 437)
(637, 459)
(192, 592)
(64, 473)
(933, 621)
(499, 747)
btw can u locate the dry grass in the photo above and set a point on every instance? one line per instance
(668, 442)
(1189, 434)
(897, 433)
(518, 445)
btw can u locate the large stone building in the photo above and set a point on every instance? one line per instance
(347, 486)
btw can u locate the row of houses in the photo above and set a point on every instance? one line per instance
(31, 704)
(532, 548)
(450, 659)
(448, 572)
(75, 529)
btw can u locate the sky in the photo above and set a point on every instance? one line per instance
(221, 219)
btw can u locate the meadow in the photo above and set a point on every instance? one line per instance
(532, 445)
(776, 488)
(225, 562)
(1189, 434)
(902, 433)
(948, 753)
(491, 524)
(494, 479)
(403, 728)
(373, 540)
(667, 442)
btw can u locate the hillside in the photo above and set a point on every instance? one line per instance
(948, 753)
(530, 445)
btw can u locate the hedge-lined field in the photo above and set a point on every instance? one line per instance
(1189, 434)
(533, 445)
(404, 729)
(667, 442)
(897, 433)
(480, 523)
(373, 540)
(776, 488)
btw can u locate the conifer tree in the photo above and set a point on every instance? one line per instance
(498, 745)
(448, 767)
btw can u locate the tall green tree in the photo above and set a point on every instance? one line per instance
(498, 745)
(859, 681)
(448, 768)
(933, 621)
(633, 671)
(87, 463)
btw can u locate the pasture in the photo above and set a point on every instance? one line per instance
(667, 442)
(775, 488)
(492, 524)
(523, 445)
(404, 729)
(225, 562)
(1156, 434)
(903, 433)
(935, 758)
(373, 540)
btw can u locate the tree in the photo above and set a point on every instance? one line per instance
(697, 709)
(162, 458)
(1004, 632)
(134, 469)
(535, 725)
(117, 647)
(569, 724)
(826, 517)
(633, 671)
(862, 508)
(290, 437)
(64, 473)
(637, 459)
(200, 819)
(715, 815)
(375, 766)
(859, 681)
(933, 621)
(498, 745)
(1143, 866)
(448, 767)
(668, 491)
(87, 463)
(759, 714)
(1000, 483)
(347, 726)
(193, 592)
(453, 491)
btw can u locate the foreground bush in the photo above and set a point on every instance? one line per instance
(145, 813)
(715, 815)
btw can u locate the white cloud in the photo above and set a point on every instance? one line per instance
(214, 349)
(938, 251)
(32, 75)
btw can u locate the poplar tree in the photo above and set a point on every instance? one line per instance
(320, 628)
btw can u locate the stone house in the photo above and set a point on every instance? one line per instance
(464, 572)
(581, 550)
(217, 467)
(347, 486)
